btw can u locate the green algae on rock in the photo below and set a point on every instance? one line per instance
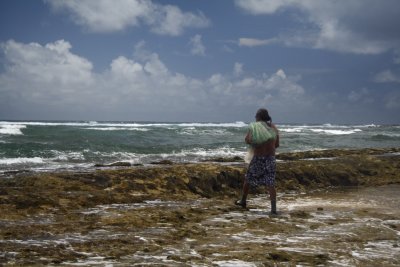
(182, 214)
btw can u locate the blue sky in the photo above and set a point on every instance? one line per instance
(306, 61)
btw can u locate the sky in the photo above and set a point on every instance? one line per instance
(306, 61)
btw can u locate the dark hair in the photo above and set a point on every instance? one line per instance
(262, 115)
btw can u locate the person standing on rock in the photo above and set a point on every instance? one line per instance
(263, 137)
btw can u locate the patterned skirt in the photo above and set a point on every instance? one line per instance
(261, 171)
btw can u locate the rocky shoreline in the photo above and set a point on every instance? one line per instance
(182, 214)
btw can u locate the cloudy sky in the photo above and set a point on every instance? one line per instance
(306, 61)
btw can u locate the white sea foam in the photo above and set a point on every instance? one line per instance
(367, 126)
(11, 161)
(386, 134)
(121, 156)
(117, 129)
(185, 155)
(188, 155)
(321, 129)
(312, 126)
(380, 249)
(234, 263)
(210, 153)
(194, 131)
(292, 130)
(11, 129)
(336, 132)
(92, 261)
(67, 155)
(237, 124)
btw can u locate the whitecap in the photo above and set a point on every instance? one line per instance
(336, 132)
(11, 129)
(117, 129)
(196, 131)
(367, 126)
(210, 153)
(237, 124)
(68, 155)
(292, 130)
(11, 161)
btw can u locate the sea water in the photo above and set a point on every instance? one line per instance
(49, 146)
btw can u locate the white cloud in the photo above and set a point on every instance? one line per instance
(356, 26)
(387, 76)
(49, 72)
(197, 46)
(287, 86)
(260, 7)
(238, 69)
(109, 16)
(251, 42)
(126, 67)
(51, 79)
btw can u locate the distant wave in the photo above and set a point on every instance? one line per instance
(336, 132)
(117, 129)
(63, 160)
(371, 125)
(212, 132)
(291, 130)
(66, 155)
(10, 161)
(311, 126)
(238, 124)
(194, 154)
(386, 136)
(11, 129)
(367, 126)
(224, 151)
(328, 131)
(123, 124)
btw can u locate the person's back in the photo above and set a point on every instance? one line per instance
(268, 148)
(263, 137)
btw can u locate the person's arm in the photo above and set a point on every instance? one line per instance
(277, 141)
(277, 136)
(248, 138)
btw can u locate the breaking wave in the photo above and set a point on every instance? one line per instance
(11, 129)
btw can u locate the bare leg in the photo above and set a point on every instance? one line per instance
(272, 193)
(245, 191)
(272, 196)
(242, 202)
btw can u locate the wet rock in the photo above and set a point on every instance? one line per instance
(185, 211)
(279, 256)
(228, 159)
(162, 162)
(300, 214)
(354, 168)
(115, 164)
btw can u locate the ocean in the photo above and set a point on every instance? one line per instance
(53, 146)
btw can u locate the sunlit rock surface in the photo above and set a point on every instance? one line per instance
(336, 208)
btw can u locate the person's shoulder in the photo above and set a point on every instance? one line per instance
(274, 126)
